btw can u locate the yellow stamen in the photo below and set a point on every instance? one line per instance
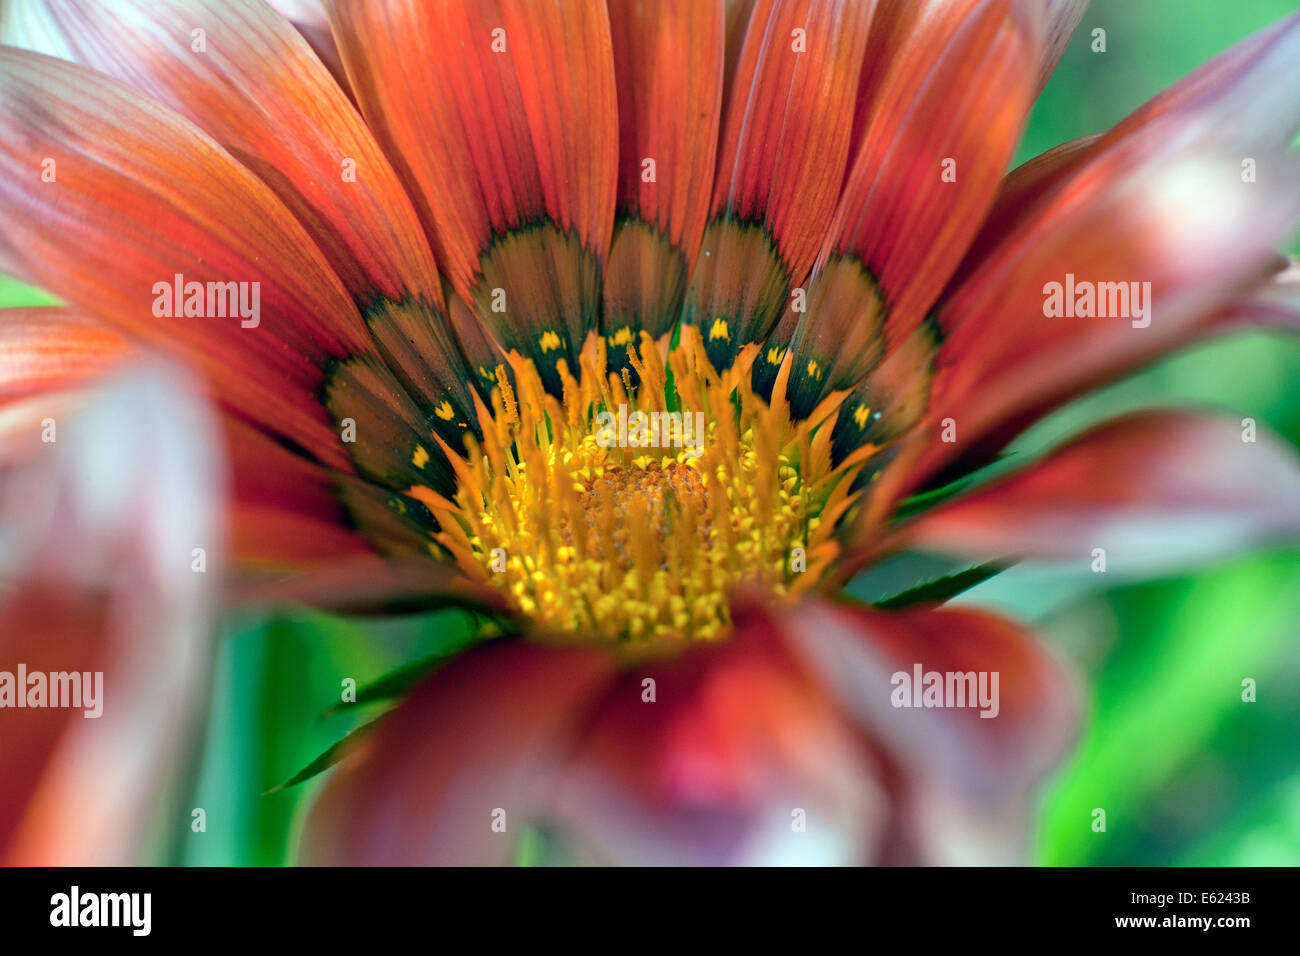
(631, 522)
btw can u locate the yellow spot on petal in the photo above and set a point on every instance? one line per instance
(775, 354)
(814, 370)
(622, 337)
(445, 411)
(719, 330)
(420, 458)
(549, 341)
(861, 416)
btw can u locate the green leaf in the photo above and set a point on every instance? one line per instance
(332, 755)
(397, 681)
(943, 589)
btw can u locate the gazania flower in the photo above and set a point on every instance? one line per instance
(646, 327)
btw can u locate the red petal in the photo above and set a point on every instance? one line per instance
(1087, 208)
(1249, 94)
(737, 738)
(477, 737)
(1188, 226)
(365, 582)
(739, 747)
(285, 510)
(968, 782)
(1160, 489)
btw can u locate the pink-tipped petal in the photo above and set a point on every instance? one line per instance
(1063, 17)
(740, 759)
(1157, 491)
(1160, 248)
(968, 775)
(309, 18)
(1273, 304)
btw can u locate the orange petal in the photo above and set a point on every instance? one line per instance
(102, 531)
(736, 26)
(948, 118)
(784, 150)
(670, 53)
(50, 348)
(106, 197)
(256, 87)
(505, 116)
(309, 18)
(1155, 490)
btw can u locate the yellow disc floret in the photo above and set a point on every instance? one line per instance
(638, 503)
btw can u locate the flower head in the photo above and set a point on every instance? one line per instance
(646, 327)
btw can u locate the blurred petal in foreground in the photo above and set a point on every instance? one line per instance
(111, 539)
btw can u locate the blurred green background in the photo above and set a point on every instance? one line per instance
(1186, 771)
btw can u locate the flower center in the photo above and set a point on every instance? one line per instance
(633, 507)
